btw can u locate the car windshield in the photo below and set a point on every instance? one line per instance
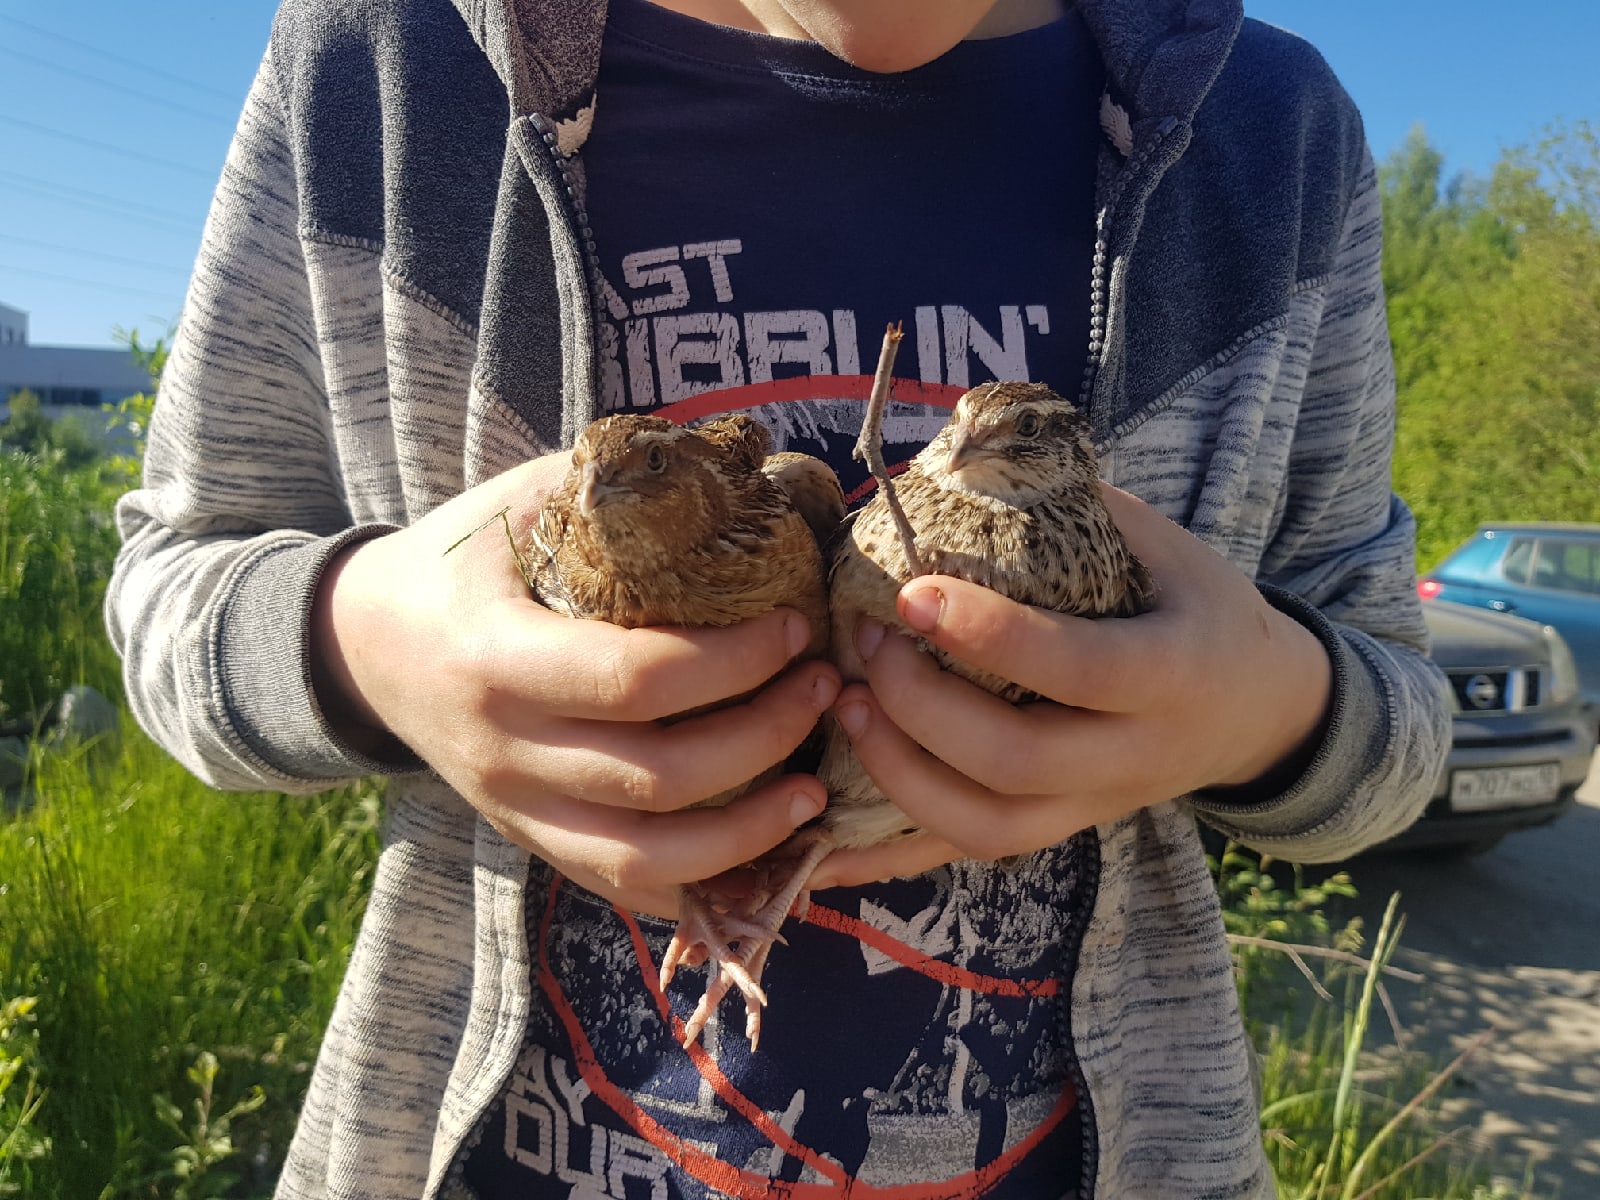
(1474, 559)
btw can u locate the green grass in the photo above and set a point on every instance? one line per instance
(1341, 1120)
(57, 542)
(155, 921)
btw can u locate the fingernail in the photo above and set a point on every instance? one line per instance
(853, 717)
(869, 636)
(805, 805)
(823, 689)
(796, 634)
(921, 607)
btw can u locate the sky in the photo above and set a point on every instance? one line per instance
(115, 119)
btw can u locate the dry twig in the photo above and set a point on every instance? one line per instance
(869, 446)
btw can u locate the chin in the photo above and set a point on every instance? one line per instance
(888, 36)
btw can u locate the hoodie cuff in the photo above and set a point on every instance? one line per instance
(1354, 732)
(261, 647)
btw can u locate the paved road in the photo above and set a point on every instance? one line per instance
(1511, 938)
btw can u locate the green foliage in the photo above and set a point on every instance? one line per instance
(1339, 1121)
(129, 419)
(28, 430)
(1494, 312)
(160, 922)
(1257, 908)
(180, 942)
(57, 541)
(20, 1141)
(207, 1142)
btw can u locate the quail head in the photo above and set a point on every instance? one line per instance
(657, 524)
(1007, 496)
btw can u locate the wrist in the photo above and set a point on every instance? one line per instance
(1296, 706)
(339, 612)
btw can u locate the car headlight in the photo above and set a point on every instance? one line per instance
(1563, 671)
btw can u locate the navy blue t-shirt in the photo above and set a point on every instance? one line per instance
(761, 210)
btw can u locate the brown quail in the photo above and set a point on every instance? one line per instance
(1006, 496)
(657, 524)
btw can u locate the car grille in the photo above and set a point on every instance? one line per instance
(1561, 736)
(1497, 691)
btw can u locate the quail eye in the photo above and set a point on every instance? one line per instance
(1028, 425)
(656, 458)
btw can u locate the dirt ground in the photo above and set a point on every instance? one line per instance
(1510, 938)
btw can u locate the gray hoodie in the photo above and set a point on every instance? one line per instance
(395, 299)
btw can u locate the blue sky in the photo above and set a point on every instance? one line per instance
(115, 119)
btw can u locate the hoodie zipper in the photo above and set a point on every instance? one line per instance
(577, 216)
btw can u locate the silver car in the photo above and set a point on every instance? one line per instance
(1522, 738)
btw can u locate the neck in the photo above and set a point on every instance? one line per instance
(818, 20)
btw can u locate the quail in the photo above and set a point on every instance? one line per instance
(1006, 495)
(657, 524)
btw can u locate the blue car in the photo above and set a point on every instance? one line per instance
(1549, 573)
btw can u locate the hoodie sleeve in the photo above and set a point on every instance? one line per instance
(1343, 563)
(241, 505)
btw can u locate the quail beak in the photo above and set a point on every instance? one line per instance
(594, 491)
(966, 448)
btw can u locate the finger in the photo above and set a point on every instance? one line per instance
(1114, 664)
(899, 859)
(951, 806)
(614, 850)
(1008, 748)
(597, 671)
(660, 768)
(1161, 544)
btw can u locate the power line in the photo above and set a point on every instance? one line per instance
(96, 255)
(166, 226)
(108, 148)
(98, 285)
(100, 81)
(115, 203)
(143, 68)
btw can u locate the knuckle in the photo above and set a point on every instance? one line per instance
(615, 680)
(645, 789)
(628, 869)
(498, 781)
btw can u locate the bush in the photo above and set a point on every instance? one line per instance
(57, 542)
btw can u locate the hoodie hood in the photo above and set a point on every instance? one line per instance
(547, 53)
(1162, 56)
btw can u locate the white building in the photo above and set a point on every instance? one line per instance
(67, 379)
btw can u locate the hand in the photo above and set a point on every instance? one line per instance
(551, 727)
(1212, 688)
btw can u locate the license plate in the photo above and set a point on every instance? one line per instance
(1504, 787)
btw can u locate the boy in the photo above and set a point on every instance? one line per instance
(403, 309)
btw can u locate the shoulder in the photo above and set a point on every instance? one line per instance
(394, 115)
(348, 48)
(306, 27)
(1278, 96)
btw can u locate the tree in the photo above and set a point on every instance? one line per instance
(1494, 295)
(29, 430)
